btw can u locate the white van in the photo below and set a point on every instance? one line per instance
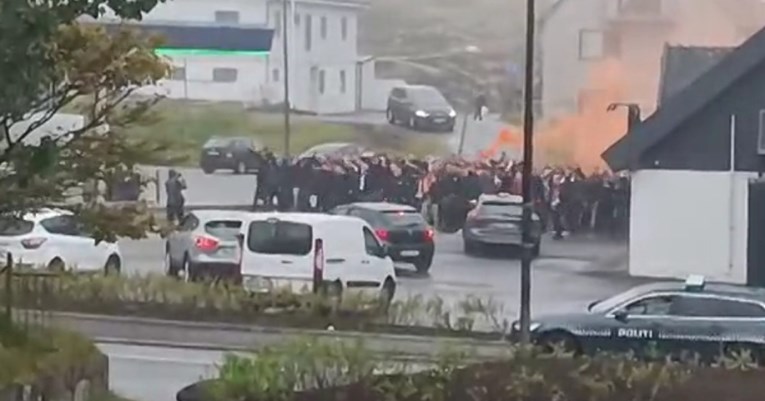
(340, 253)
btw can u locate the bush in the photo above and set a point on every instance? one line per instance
(164, 297)
(311, 370)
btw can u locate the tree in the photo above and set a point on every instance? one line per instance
(50, 62)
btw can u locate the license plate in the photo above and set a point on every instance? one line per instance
(410, 253)
(439, 120)
(507, 226)
(258, 284)
(213, 153)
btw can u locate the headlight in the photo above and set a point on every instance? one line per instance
(452, 114)
(421, 113)
(532, 327)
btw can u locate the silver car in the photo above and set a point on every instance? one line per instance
(205, 245)
(496, 220)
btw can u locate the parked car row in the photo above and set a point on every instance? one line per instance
(353, 248)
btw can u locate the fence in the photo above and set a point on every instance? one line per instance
(27, 295)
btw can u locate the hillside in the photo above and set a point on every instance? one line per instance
(426, 27)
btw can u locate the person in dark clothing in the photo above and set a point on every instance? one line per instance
(174, 187)
(480, 103)
(285, 185)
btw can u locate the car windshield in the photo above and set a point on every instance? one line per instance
(13, 226)
(217, 142)
(404, 218)
(606, 305)
(223, 229)
(429, 98)
(500, 209)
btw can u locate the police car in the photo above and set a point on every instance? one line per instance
(671, 318)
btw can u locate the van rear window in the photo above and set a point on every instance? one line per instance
(12, 226)
(280, 238)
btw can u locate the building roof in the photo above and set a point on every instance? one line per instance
(682, 65)
(684, 104)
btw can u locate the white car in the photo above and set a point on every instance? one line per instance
(56, 240)
(205, 245)
(296, 250)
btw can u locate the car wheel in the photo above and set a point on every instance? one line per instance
(241, 168)
(389, 115)
(57, 265)
(113, 266)
(560, 341)
(743, 353)
(423, 265)
(208, 169)
(387, 293)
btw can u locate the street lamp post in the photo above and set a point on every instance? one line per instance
(528, 198)
(285, 55)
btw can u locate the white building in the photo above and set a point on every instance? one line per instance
(322, 42)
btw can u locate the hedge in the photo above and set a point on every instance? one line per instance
(314, 370)
(162, 297)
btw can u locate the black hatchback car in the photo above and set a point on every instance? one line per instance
(231, 153)
(402, 228)
(661, 319)
(420, 108)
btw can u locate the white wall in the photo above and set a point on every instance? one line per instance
(681, 224)
(199, 85)
(374, 91)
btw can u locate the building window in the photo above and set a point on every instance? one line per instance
(640, 7)
(344, 28)
(275, 75)
(227, 17)
(321, 81)
(308, 33)
(178, 74)
(323, 27)
(225, 74)
(277, 23)
(342, 81)
(590, 44)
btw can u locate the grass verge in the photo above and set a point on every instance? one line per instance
(188, 125)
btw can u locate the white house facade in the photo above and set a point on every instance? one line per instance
(322, 43)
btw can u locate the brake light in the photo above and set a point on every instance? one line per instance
(382, 234)
(33, 243)
(206, 244)
(429, 234)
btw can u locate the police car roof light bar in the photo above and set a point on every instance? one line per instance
(695, 282)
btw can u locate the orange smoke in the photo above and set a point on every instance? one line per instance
(578, 139)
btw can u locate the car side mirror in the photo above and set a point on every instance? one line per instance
(621, 315)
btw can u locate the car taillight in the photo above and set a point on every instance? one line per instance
(429, 235)
(206, 244)
(383, 235)
(32, 243)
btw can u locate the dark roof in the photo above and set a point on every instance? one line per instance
(681, 65)
(684, 104)
(721, 289)
(384, 206)
(203, 37)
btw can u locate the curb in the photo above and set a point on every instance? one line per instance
(239, 337)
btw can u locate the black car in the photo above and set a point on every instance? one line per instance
(420, 108)
(402, 228)
(661, 319)
(235, 153)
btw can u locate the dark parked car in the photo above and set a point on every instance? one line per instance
(402, 228)
(663, 319)
(235, 153)
(420, 108)
(496, 220)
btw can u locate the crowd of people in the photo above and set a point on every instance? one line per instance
(567, 200)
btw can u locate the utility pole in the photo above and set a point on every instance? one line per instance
(528, 196)
(285, 51)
